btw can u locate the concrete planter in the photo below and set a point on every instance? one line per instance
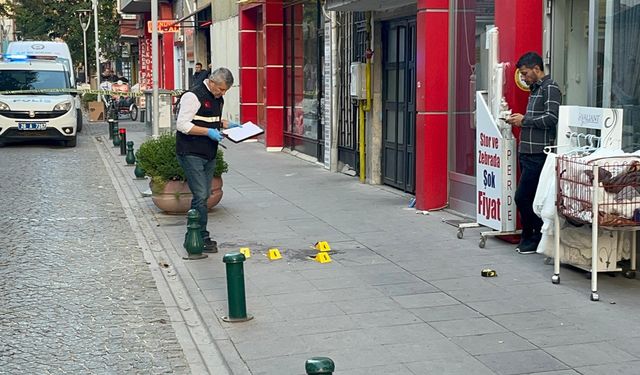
(175, 198)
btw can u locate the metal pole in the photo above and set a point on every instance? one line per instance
(86, 68)
(155, 128)
(95, 28)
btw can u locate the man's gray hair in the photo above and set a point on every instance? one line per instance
(222, 75)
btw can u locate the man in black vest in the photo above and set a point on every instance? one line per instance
(199, 127)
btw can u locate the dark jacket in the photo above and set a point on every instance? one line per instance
(208, 116)
(199, 77)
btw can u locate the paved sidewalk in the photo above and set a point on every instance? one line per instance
(402, 295)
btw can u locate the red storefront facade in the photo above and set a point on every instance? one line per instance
(447, 45)
(262, 70)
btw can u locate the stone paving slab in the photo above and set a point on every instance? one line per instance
(402, 293)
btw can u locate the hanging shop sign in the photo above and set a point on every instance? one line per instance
(164, 26)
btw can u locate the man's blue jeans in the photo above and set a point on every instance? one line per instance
(199, 173)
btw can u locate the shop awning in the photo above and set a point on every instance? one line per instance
(137, 6)
(366, 5)
(202, 14)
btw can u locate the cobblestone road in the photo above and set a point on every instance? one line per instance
(76, 295)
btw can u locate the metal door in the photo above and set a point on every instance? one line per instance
(353, 42)
(399, 103)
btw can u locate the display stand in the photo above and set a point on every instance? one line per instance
(495, 157)
(583, 129)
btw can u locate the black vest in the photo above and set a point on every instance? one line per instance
(208, 116)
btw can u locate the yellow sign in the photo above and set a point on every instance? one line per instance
(165, 26)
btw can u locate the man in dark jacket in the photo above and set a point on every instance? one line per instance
(538, 130)
(199, 75)
(199, 126)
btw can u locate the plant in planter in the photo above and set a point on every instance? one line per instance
(170, 192)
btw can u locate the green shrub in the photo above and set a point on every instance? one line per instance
(157, 157)
(89, 98)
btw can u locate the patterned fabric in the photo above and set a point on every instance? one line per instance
(539, 126)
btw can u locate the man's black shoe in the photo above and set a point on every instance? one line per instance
(528, 246)
(210, 246)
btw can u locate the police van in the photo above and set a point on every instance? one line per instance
(35, 100)
(57, 49)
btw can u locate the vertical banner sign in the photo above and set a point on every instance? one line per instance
(495, 175)
(327, 99)
(189, 43)
(146, 79)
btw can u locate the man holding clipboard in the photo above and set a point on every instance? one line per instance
(199, 126)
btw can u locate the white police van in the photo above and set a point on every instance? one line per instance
(35, 102)
(57, 49)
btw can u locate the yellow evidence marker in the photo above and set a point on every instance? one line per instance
(274, 254)
(246, 252)
(322, 246)
(322, 257)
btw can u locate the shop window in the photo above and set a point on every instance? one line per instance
(618, 63)
(302, 55)
(472, 20)
(614, 81)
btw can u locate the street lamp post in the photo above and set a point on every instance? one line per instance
(94, 4)
(84, 16)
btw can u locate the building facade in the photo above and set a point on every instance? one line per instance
(302, 68)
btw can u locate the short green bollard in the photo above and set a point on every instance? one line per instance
(110, 121)
(116, 134)
(193, 242)
(139, 172)
(319, 365)
(131, 157)
(235, 288)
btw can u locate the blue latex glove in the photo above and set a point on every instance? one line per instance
(214, 134)
(231, 125)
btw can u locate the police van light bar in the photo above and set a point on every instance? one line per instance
(22, 57)
(15, 57)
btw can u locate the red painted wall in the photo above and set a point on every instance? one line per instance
(432, 72)
(272, 69)
(520, 26)
(166, 69)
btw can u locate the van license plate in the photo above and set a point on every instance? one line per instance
(32, 125)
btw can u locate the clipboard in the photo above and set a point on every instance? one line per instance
(244, 132)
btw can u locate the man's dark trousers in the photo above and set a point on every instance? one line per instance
(530, 170)
(199, 173)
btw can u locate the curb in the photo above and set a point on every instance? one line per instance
(195, 323)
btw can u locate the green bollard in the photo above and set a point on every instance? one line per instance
(193, 242)
(139, 172)
(116, 134)
(235, 288)
(131, 157)
(110, 121)
(319, 365)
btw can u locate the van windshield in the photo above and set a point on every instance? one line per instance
(11, 80)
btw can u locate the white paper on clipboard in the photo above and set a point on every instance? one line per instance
(244, 132)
